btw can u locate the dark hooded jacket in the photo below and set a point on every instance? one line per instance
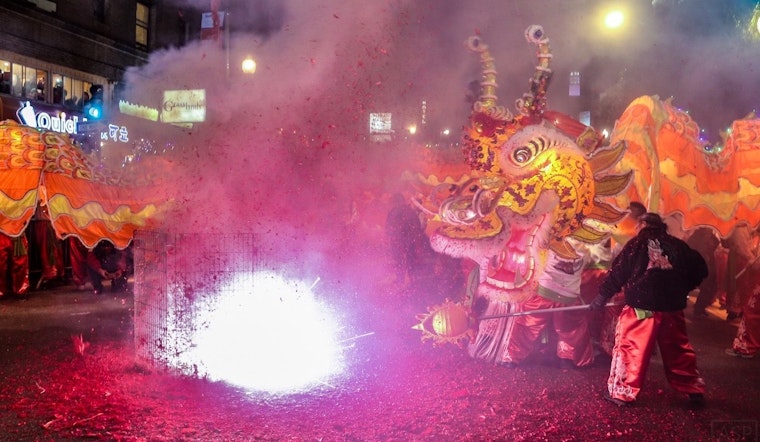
(650, 283)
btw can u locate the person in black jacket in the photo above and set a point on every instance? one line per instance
(656, 272)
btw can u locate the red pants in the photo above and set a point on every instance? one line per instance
(14, 265)
(634, 343)
(49, 250)
(574, 341)
(601, 323)
(78, 254)
(747, 340)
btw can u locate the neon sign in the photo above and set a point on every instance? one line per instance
(43, 120)
(184, 106)
(115, 133)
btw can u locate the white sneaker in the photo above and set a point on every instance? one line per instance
(736, 354)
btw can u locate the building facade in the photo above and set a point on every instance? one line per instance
(55, 53)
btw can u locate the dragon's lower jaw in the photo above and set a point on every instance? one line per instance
(508, 279)
(515, 266)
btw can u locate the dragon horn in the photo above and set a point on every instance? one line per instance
(486, 104)
(533, 103)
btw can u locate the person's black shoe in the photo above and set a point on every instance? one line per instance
(696, 399)
(618, 402)
(506, 364)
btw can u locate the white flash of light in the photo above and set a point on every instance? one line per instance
(269, 334)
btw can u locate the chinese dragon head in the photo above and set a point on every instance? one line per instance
(536, 185)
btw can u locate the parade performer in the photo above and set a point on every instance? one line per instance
(626, 228)
(14, 265)
(599, 262)
(559, 286)
(705, 241)
(106, 262)
(747, 341)
(78, 254)
(607, 318)
(739, 283)
(407, 242)
(48, 247)
(656, 271)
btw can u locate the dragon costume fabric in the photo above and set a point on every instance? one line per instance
(44, 167)
(677, 173)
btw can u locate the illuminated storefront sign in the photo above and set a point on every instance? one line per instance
(137, 110)
(380, 123)
(110, 132)
(380, 128)
(186, 106)
(59, 122)
(115, 133)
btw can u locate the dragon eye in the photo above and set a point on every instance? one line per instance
(522, 155)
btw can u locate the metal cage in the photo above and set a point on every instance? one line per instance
(178, 276)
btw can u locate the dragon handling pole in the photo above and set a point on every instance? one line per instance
(544, 310)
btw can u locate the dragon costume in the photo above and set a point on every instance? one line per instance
(535, 188)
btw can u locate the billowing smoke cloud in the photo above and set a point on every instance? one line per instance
(285, 152)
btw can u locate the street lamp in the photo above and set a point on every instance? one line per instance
(249, 65)
(614, 19)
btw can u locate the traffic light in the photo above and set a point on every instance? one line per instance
(94, 108)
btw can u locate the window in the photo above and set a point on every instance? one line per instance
(26, 82)
(142, 18)
(5, 77)
(70, 92)
(46, 5)
(575, 84)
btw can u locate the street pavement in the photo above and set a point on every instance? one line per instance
(66, 307)
(61, 307)
(733, 384)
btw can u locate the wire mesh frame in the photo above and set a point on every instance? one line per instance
(177, 278)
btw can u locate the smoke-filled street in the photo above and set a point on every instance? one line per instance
(334, 243)
(394, 388)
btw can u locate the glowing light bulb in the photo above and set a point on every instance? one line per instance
(249, 65)
(614, 19)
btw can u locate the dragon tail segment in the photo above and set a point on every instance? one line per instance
(677, 172)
